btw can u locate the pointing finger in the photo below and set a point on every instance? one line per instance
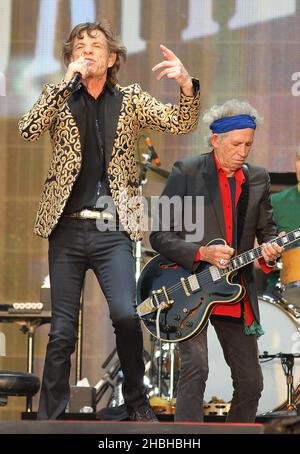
(163, 64)
(168, 54)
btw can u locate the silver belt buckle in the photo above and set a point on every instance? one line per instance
(85, 214)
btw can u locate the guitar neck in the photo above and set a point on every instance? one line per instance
(241, 260)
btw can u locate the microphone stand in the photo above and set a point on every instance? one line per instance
(138, 261)
(287, 362)
(108, 381)
(138, 244)
(144, 170)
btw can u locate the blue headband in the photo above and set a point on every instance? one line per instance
(226, 124)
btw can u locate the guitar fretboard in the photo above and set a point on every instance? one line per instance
(248, 257)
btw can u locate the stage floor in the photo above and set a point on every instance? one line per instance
(117, 427)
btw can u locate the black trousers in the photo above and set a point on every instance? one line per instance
(241, 354)
(74, 247)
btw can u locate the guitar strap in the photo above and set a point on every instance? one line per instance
(242, 206)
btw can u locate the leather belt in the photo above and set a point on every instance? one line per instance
(90, 214)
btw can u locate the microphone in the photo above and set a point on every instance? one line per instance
(153, 156)
(74, 81)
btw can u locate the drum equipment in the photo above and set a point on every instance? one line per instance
(216, 407)
(290, 276)
(162, 405)
(282, 335)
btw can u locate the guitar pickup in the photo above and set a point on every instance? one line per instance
(193, 282)
(215, 273)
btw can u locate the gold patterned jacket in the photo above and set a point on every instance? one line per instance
(57, 110)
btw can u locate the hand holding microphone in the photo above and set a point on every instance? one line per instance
(77, 70)
(74, 81)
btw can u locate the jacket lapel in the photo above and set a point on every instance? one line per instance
(213, 191)
(111, 115)
(76, 105)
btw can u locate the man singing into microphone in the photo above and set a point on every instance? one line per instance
(93, 130)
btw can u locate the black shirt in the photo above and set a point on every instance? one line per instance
(92, 178)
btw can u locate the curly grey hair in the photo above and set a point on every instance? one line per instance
(228, 109)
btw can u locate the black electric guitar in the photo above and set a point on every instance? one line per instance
(175, 305)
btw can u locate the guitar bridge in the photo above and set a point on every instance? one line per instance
(193, 284)
(184, 286)
(160, 300)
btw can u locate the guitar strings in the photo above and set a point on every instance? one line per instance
(206, 276)
(243, 256)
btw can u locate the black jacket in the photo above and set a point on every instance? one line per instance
(198, 176)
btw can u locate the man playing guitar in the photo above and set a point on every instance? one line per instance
(236, 208)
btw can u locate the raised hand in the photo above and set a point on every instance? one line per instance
(172, 68)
